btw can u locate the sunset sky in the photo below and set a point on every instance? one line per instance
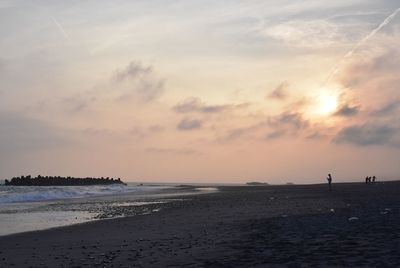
(200, 91)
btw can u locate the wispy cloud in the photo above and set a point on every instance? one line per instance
(289, 123)
(309, 34)
(380, 61)
(280, 92)
(347, 110)
(365, 39)
(388, 109)
(135, 82)
(316, 135)
(78, 103)
(276, 134)
(195, 105)
(145, 132)
(138, 81)
(369, 134)
(134, 70)
(189, 124)
(371, 78)
(241, 132)
(293, 120)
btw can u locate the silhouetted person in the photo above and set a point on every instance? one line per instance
(366, 179)
(329, 178)
(373, 179)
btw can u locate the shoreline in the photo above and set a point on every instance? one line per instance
(78, 210)
(236, 226)
(137, 191)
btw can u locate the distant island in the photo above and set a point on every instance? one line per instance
(60, 181)
(255, 183)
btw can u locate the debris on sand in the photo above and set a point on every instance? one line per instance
(386, 211)
(353, 219)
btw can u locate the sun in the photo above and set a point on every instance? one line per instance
(327, 103)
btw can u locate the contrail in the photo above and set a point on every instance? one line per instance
(360, 43)
(60, 28)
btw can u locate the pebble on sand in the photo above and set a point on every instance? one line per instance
(353, 219)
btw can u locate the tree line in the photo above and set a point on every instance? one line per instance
(60, 181)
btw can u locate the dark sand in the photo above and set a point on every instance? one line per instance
(295, 226)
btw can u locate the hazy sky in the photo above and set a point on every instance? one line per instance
(206, 91)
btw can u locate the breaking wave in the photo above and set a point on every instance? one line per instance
(15, 194)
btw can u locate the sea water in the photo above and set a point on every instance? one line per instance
(29, 208)
(15, 194)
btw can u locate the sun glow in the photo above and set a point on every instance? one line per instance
(325, 102)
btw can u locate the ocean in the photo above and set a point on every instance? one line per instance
(31, 208)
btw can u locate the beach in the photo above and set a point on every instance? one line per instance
(237, 226)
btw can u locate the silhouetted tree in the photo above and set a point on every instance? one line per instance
(59, 181)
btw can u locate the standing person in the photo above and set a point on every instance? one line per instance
(329, 178)
(373, 179)
(366, 179)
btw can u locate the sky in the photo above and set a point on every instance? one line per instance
(200, 91)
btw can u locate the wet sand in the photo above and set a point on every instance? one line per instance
(297, 226)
